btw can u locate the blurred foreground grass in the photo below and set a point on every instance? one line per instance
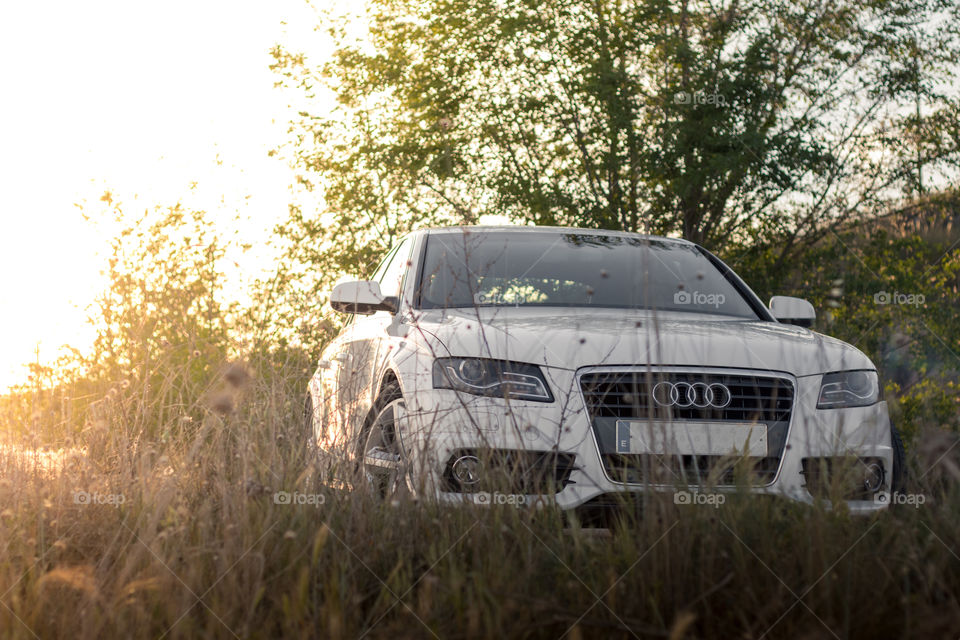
(114, 534)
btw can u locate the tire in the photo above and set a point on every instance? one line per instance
(898, 479)
(382, 467)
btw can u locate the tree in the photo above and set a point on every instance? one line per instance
(717, 121)
(163, 328)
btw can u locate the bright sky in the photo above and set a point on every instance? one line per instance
(141, 98)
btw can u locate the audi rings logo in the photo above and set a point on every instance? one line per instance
(684, 395)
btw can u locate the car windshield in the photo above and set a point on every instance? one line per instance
(573, 269)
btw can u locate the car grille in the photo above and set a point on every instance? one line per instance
(610, 396)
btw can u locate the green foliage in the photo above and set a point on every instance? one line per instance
(162, 320)
(931, 401)
(51, 403)
(161, 323)
(715, 122)
(892, 288)
(761, 126)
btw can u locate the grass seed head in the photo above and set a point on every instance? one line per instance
(237, 375)
(222, 403)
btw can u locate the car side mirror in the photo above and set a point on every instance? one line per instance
(361, 296)
(792, 311)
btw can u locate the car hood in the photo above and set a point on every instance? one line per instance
(571, 338)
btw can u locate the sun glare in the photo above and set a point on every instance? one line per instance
(155, 104)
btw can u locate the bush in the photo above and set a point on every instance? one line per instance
(891, 287)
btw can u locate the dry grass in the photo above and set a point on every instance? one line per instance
(179, 535)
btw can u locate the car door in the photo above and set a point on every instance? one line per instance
(362, 340)
(339, 381)
(328, 425)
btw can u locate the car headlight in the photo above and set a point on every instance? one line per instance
(484, 377)
(848, 389)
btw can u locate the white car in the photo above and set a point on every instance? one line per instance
(581, 367)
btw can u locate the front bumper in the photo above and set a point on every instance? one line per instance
(442, 424)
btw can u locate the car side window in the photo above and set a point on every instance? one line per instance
(391, 275)
(384, 264)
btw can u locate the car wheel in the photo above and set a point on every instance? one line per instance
(898, 480)
(383, 470)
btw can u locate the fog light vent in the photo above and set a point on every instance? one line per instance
(844, 477)
(872, 476)
(508, 471)
(466, 470)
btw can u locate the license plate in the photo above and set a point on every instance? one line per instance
(691, 438)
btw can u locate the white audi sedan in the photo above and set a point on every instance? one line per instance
(583, 368)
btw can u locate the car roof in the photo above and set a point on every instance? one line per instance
(538, 229)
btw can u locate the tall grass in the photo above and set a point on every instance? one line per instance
(117, 534)
(164, 490)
